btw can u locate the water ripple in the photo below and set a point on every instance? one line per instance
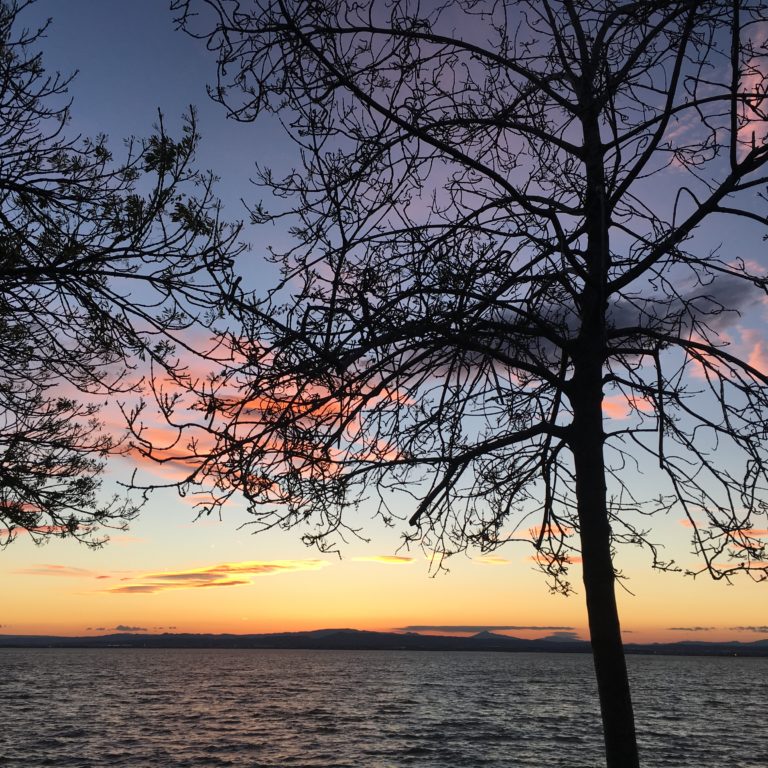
(131, 708)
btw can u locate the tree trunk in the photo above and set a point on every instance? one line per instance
(599, 578)
(585, 392)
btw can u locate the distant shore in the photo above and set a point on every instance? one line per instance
(359, 640)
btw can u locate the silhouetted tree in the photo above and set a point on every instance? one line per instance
(103, 266)
(496, 217)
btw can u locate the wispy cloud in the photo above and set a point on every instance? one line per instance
(125, 539)
(550, 530)
(384, 559)
(691, 629)
(474, 628)
(119, 628)
(43, 530)
(755, 565)
(760, 629)
(222, 575)
(749, 532)
(563, 636)
(543, 559)
(753, 532)
(492, 560)
(50, 569)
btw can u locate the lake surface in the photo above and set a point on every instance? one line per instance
(138, 708)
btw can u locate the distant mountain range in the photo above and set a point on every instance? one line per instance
(355, 639)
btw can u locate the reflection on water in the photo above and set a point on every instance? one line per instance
(94, 708)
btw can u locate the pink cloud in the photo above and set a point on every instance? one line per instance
(702, 364)
(752, 117)
(43, 530)
(755, 565)
(687, 523)
(757, 355)
(551, 529)
(622, 406)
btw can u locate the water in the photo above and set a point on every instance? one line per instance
(138, 708)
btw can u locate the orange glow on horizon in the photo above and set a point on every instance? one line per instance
(122, 586)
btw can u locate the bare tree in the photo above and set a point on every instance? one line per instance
(496, 217)
(104, 267)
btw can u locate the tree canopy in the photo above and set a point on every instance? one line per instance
(503, 215)
(106, 266)
(443, 215)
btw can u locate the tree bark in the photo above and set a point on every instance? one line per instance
(587, 443)
(598, 572)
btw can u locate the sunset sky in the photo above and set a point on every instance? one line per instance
(169, 573)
